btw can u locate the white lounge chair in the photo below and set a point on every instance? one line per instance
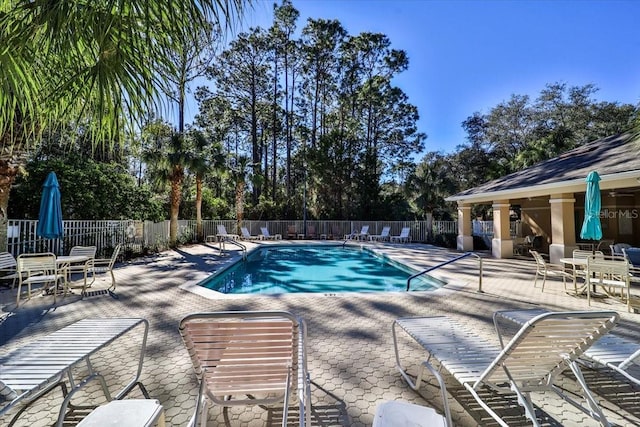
(258, 354)
(544, 269)
(403, 237)
(246, 235)
(223, 235)
(617, 353)
(39, 268)
(8, 268)
(544, 347)
(266, 236)
(361, 235)
(383, 236)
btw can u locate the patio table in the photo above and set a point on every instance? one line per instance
(65, 262)
(33, 370)
(577, 264)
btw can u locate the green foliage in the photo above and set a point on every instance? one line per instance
(89, 190)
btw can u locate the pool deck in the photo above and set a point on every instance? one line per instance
(351, 358)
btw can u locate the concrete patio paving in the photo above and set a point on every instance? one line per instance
(350, 349)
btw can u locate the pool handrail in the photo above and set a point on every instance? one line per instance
(442, 264)
(224, 240)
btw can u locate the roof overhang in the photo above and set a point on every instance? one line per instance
(612, 181)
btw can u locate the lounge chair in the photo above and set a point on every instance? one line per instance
(292, 233)
(8, 268)
(544, 347)
(39, 268)
(105, 265)
(267, 236)
(258, 354)
(223, 235)
(403, 237)
(311, 232)
(609, 274)
(544, 269)
(361, 235)
(617, 353)
(246, 235)
(382, 237)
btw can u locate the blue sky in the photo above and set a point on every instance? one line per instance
(467, 56)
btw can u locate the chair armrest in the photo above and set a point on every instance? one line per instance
(100, 262)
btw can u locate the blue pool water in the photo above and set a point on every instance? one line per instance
(294, 269)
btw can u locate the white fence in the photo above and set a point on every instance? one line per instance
(140, 237)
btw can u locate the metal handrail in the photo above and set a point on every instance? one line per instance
(229, 240)
(442, 264)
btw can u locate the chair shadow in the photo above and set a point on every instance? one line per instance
(329, 411)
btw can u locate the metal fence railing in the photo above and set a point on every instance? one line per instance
(139, 237)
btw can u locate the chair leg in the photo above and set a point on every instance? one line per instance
(544, 280)
(113, 281)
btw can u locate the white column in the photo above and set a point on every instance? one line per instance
(563, 230)
(501, 245)
(465, 237)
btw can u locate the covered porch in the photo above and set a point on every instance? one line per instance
(549, 198)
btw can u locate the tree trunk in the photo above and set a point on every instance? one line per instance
(8, 173)
(199, 231)
(174, 198)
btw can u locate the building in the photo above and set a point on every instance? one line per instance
(550, 198)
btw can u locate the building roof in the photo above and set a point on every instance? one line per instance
(615, 158)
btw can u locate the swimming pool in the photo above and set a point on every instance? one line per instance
(316, 269)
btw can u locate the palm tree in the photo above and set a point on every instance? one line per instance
(240, 169)
(94, 62)
(207, 157)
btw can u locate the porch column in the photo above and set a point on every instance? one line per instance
(465, 237)
(501, 245)
(563, 229)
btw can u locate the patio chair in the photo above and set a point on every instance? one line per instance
(85, 267)
(267, 236)
(39, 268)
(610, 275)
(633, 256)
(584, 254)
(383, 236)
(261, 354)
(616, 249)
(223, 235)
(544, 269)
(543, 348)
(403, 237)
(246, 235)
(8, 268)
(292, 233)
(604, 246)
(105, 265)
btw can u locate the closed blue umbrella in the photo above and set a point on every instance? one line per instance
(50, 217)
(591, 228)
